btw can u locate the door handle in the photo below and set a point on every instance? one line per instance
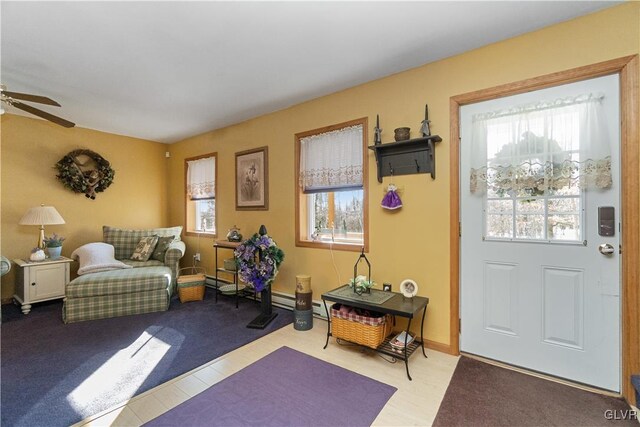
(606, 249)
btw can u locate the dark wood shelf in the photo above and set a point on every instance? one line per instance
(406, 157)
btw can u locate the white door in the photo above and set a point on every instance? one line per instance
(536, 292)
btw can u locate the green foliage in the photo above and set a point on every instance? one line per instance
(79, 181)
(54, 241)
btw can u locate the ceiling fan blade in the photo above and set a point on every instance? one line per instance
(43, 114)
(31, 98)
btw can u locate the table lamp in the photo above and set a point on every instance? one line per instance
(41, 215)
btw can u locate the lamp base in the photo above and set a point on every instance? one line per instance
(41, 243)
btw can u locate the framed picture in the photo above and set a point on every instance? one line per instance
(252, 179)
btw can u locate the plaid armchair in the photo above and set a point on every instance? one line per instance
(125, 241)
(145, 288)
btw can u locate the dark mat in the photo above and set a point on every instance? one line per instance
(56, 374)
(481, 394)
(284, 388)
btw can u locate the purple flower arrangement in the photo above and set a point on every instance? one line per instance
(258, 260)
(54, 241)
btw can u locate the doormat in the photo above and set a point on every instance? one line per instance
(481, 394)
(375, 297)
(284, 388)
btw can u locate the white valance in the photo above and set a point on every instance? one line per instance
(201, 179)
(542, 146)
(331, 161)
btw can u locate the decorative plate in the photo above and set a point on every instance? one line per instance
(230, 289)
(409, 288)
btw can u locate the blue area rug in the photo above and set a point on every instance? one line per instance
(284, 388)
(57, 374)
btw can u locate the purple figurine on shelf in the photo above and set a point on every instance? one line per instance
(391, 200)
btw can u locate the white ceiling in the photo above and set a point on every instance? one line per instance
(165, 71)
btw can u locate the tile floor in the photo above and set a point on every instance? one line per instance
(414, 404)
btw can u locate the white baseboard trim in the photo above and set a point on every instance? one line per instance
(288, 301)
(282, 300)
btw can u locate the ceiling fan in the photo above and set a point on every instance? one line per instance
(14, 99)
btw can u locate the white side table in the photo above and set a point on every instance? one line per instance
(40, 281)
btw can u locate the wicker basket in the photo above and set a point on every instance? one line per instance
(191, 286)
(349, 329)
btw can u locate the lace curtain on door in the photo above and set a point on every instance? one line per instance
(540, 147)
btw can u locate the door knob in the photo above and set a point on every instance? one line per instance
(606, 249)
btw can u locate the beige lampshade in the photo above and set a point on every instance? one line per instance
(41, 215)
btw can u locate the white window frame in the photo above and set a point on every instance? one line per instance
(192, 206)
(581, 196)
(303, 204)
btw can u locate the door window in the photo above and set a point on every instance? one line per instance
(532, 164)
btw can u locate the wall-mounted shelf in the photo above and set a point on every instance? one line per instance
(406, 157)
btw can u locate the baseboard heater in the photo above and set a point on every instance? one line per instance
(279, 299)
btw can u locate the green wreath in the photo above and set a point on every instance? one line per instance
(87, 181)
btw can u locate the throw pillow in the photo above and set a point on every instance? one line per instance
(145, 248)
(95, 257)
(161, 247)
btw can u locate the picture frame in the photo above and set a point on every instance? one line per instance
(252, 179)
(386, 287)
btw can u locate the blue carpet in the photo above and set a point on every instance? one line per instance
(57, 374)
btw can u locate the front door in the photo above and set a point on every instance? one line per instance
(540, 263)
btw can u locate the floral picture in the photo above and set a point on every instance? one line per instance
(252, 179)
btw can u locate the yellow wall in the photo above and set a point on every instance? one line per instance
(30, 148)
(412, 243)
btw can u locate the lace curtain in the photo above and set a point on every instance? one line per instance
(201, 179)
(331, 161)
(545, 146)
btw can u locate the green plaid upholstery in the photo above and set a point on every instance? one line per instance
(125, 241)
(100, 307)
(145, 288)
(116, 282)
(172, 259)
(136, 264)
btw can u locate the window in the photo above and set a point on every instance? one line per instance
(553, 216)
(331, 177)
(533, 164)
(200, 194)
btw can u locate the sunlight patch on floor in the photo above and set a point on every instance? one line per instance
(125, 371)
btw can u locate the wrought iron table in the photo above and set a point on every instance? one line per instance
(397, 305)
